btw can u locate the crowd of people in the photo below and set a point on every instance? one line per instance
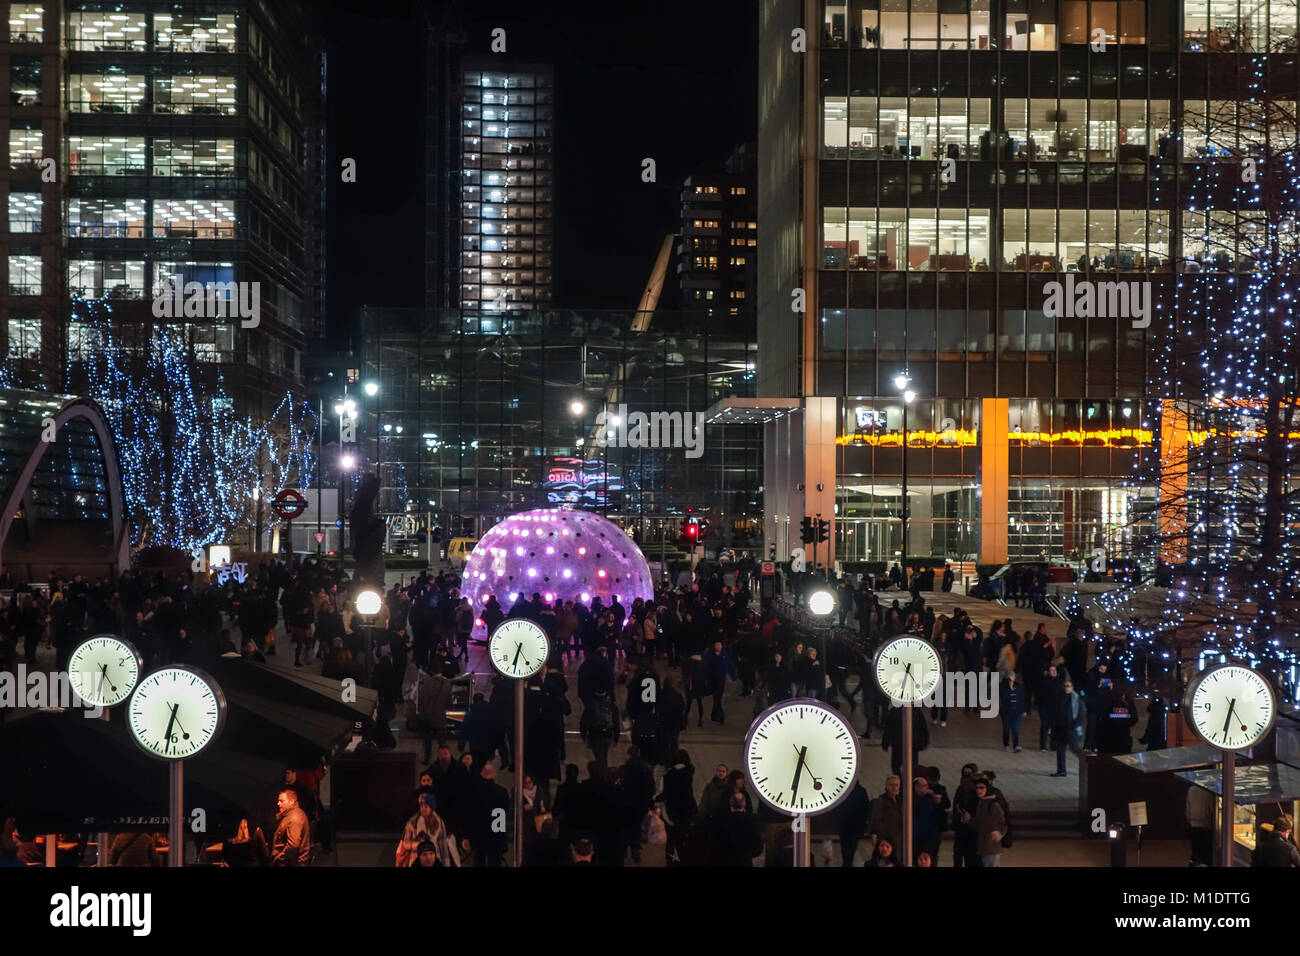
(638, 674)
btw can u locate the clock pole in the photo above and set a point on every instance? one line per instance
(802, 840)
(906, 790)
(519, 772)
(101, 858)
(175, 837)
(1229, 804)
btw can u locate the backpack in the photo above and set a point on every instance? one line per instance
(603, 719)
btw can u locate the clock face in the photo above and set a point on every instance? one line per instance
(103, 670)
(1231, 706)
(518, 648)
(801, 756)
(176, 712)
(907, 669)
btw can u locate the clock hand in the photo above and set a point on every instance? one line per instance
(1232, 705)
(817, 783)
(518, 649)
(168, 735)
(103, 668)
(798, 770)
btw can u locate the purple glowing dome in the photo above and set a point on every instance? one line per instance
(561, 555)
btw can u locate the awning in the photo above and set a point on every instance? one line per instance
(301, 688)
(750, 411)
(62, 772)
(286, 733)
(1256, 783)
(1172, 758)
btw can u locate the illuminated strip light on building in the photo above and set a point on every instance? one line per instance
(957, 437)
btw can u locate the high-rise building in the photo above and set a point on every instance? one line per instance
(154, 143)
(491, 188)
(933, 179)
(717, 261)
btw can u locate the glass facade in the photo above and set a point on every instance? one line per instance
(976, 164)
(179, 131)
(475, 417)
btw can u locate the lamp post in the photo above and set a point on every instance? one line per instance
(367, 604)
(346, 410)
(901, 382)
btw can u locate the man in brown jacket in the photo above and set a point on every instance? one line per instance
(990, 824)
(291, 845)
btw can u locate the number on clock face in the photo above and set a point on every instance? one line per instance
(518, 648)
(801, 757)
(103, 670)
(174, 713)
(1232, 706)
(908, 669)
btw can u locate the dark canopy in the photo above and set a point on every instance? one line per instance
(62, 772)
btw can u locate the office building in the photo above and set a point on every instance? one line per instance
(490, 175)
(186, 148)
(716, 252)
(927, 172)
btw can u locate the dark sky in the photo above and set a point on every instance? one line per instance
(669, 79)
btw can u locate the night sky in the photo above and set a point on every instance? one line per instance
(670, 79)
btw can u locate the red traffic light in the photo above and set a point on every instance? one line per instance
(692, 530)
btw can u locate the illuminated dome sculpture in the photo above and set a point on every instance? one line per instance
(559, 554)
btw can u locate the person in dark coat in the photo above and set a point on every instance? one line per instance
(1273, 846)
(487, 839)
(854, 816)
(892, 737)
(671, 714)
(478, 731)
(1154, 735)
(678, 798)
(1012, 710)
(1075, 653)
(737, 841)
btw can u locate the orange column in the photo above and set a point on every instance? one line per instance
(995, 462)
(1173, 481)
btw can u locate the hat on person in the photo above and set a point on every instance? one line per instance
(427, 846)
(428, 800)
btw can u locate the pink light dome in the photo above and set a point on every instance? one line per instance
(572, 555)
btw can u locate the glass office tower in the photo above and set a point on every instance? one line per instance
(929, 169)
(177, 135)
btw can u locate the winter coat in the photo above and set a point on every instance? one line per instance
(291, 845)
(1013, 701)
(678, 796)
(1272, 850)
(887, 819)
(990, 825)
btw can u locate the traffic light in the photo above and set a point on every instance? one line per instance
(823, 528)
(806, 533)
(691, 530)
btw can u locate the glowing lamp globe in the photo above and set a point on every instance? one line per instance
(821, 602)
(368, 603)
(561, 555)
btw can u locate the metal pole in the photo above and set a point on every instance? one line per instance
(175, 832)
(519, 773)
(908, 827)
(1229, 803)
(904, 514)
(51, 850)
(802, 840)
(101, 858)
(320, 425)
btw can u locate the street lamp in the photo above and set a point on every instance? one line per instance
(372, 388)
(821, 602)
(368, 603)
(576, 407)
(901, 382)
